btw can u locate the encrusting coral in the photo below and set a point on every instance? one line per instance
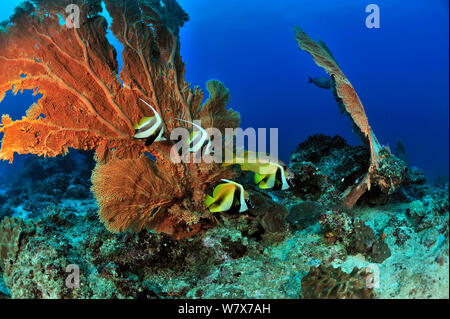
(330, 283)
(12, 230)
(87, 105)
(350, 104)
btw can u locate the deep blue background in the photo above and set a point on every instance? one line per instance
(400, 71)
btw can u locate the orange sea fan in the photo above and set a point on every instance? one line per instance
(133, 192)
(136, 194)
(87, 105)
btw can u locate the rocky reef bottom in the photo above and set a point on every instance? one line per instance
(295, 245)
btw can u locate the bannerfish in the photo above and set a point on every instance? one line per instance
(150, 128)
(198, 139)
(275, 180)
(270, 173)
(226, 197)
(323, 82)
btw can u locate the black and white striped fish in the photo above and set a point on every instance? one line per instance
(150, 128)
(198, 140)
(227, 197)
(273, 176)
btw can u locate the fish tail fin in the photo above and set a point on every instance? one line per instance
(310, 80)
(209, 200)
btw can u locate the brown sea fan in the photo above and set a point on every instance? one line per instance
(350, 104)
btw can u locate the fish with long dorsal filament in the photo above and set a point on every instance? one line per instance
(269, 173)
(150, 129)
(227, 197)
(276, 180)
(199, 139)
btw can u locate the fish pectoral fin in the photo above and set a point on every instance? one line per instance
(268, 183)
(223, 197)
(222, 204)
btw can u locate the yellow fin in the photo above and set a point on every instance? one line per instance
(209, 200)
(194, 134)
(223, 188)
(268, 183)
(142, 122)
(225, 203)
(222, 199)
(258, 178)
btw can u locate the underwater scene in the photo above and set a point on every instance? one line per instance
(195, 149)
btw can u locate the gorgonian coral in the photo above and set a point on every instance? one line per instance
(350, 104)
(87, 105)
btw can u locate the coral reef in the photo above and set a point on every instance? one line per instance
(364, 241)
(12, 232)
(87, 105)
(155, 237)
(305, 214)
(329, 283)
(337, 227)
(325, 167)
(231, 261)
(265, 220)
(46, 181)
(355, 235)
(380, 171)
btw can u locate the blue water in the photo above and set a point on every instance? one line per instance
(400, 71)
